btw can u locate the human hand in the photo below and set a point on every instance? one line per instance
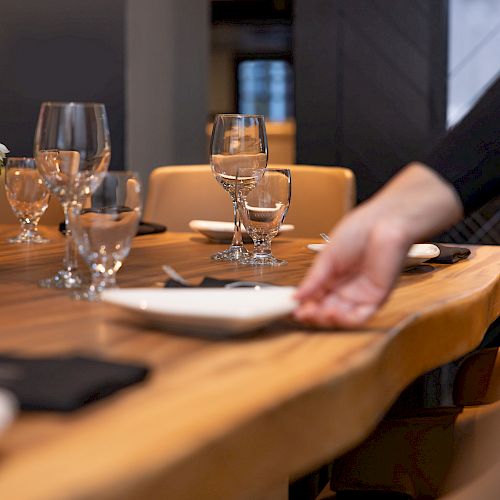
(355, 272)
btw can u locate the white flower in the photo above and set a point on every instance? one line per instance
(3, 153)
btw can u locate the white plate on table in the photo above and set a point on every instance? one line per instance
(222, 232)
(214, 311)
(8, 408)
(417, 254)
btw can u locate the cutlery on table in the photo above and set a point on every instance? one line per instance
(173, 274)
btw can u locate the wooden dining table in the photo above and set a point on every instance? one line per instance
(231, 418)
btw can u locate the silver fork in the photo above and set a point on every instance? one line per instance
(172, 273)
(247, 284)
(325, 237)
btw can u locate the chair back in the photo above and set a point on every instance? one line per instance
(179, 194)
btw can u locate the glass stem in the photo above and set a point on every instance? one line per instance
(28, 227)
(70, 262)
(237, 239)
(262, 248)
(101, 280)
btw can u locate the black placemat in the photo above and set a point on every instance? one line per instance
(449, 254)
(65, 383)
(207, 282)
(150, 228)
(143, 229)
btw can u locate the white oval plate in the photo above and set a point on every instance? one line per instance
(8, 408)
(218, 312)
(222, 232)
(417, 254)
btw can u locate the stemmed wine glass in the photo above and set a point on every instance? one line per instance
(238, 146)
(28, 196)
(72, 145)
(104, 224)
(263, 210)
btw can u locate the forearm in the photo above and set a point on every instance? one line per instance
(418, 202)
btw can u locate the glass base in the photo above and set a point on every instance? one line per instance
(232, 254)
(263, 260)
(28, 237)
(63, 279)
(88, 295)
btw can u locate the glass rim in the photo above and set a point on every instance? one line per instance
(239, 115)
(78, 104)
(19, 158)
(277, 169)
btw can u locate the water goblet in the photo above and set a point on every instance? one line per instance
(104, 224)
(262, 211)
(71, 143)
(28, 196)
(238, 146)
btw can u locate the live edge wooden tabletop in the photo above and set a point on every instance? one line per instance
(220, 419)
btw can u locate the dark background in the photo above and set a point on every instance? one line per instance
(60, 50)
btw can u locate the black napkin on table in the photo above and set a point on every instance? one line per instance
(64, 383)
(150, 228)
(143, 229)
(207, 282)
(449, 254)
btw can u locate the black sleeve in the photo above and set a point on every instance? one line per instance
(468, 156)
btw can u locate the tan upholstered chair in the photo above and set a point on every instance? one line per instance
(52, 217)
(178, 194)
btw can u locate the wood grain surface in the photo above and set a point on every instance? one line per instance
(220, 419)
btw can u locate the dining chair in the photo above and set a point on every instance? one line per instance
(435, 452)
(52, 216)
(178, 194)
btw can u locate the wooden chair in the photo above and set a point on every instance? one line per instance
(52, 216)
(178, 194)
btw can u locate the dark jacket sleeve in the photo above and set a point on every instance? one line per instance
(468, 156)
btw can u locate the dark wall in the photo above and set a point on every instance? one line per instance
(370, 83)
(63, 50)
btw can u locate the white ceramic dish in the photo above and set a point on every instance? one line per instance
(218, 312)
(8, 408)
(417, 254)
(223, 231)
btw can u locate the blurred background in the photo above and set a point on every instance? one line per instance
(367, 84)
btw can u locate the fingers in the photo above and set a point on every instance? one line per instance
(333, 311)
(316, 283)
(345, 288)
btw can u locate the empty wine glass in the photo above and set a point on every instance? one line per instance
(239, 144)
(104, 224)
(71, 142)
(263, 210)
(28, 196)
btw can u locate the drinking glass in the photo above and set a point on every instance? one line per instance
(238, 146)
(28, 196)
(263, 210)
(71, 146)
(104, 224)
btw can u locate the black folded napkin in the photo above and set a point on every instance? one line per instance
(205, 283)
(143, 229)
(449, 254)
(64, 383)
(150, 228)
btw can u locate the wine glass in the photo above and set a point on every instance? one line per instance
(28, 196)
(263, 210)
(238, 145)
(104, 224)
(72, 145)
